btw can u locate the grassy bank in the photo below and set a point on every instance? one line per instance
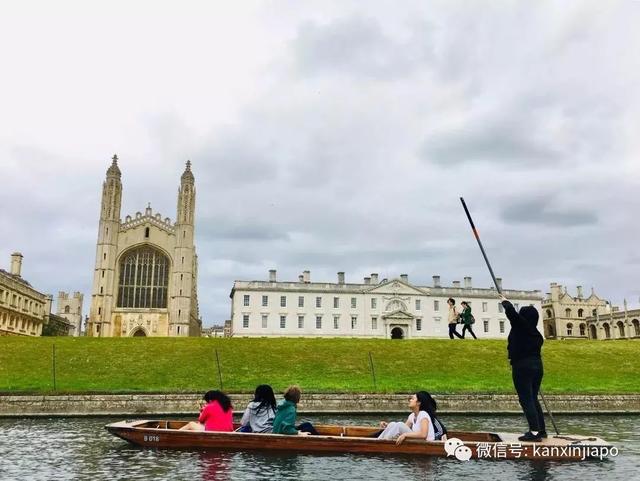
(320, 365)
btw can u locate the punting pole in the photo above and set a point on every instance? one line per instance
(495, 282)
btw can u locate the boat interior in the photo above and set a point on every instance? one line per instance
(335, 430)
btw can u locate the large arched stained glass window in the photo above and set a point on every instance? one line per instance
(144, 278)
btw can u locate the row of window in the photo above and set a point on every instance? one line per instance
(13, 322)
(246, 302)
(583, 329)
(318, 323)
(20, 302)
(569, 313)
(354, 322)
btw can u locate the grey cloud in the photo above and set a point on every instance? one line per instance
(510, 141)
(230, 155)
(547, 212)
(240, 229)
(358, 46)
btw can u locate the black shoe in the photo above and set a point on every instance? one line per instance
(529, 436)
(543, 434)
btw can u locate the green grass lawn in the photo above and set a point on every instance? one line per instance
(318, 365)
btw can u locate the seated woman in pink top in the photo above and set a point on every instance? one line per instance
(215, 415)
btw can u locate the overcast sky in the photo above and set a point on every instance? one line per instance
(329, 136)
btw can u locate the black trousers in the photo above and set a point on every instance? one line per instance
(308, 428)
(452, 331)
(467, 327)
(527, 376)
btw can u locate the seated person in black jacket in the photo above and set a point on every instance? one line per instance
(524, 344)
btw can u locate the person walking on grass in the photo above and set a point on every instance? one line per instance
(467, 319)
(453, 319)
(524, 344)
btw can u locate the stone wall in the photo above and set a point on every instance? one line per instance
(187, 404)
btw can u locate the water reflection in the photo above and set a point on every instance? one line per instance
(214, 466)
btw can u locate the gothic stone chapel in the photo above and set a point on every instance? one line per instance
(145, 276)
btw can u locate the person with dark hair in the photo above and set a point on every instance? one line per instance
(216, 414)
(285, 420)
(431, 407)
(467, 319)
(422, 423)
(453, 319)
(259, 415)
(524, 344)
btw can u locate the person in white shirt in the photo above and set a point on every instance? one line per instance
(453, 319)
(419, 424)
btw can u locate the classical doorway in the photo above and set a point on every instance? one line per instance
(139, 333)
(594, 332)
(397, 333)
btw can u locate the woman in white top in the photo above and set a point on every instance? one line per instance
(418, 425)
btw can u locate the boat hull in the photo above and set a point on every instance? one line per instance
(354, 439)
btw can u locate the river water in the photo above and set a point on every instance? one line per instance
(80, 449)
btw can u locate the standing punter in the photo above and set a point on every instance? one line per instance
(524, 344)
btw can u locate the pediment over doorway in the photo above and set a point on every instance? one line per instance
(399, 316)
(396, 287)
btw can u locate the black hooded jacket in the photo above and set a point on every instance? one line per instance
(524, 339)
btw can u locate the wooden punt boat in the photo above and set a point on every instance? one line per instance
(357, 439)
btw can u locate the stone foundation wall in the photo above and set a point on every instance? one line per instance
(187, 404)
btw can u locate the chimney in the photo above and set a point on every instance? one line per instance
(306, 275)
(499, 282)
(467, 282)
(340, 277)
(300, 278)
(272, 275)
(48, 303)
(436, 281)
(16, 264)
(404, 277)
(456, 284)
(579, 292)
(374, 278)
(367, 280)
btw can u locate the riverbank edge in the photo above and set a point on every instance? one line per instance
(312, 403)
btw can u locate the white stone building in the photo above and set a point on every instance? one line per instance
(23, 309)
(580, 317)
(371, 309)
(70, 307)
(614, 324)
(565, 316)
(146, 270)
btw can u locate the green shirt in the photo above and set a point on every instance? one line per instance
(467, 318)
(285, 420)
